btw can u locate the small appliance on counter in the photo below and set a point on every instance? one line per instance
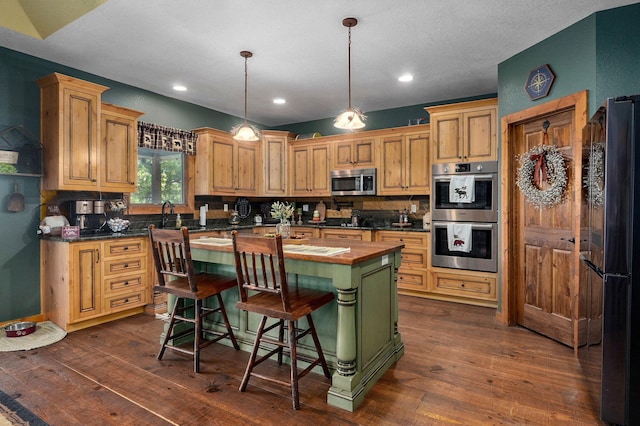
(89, 215)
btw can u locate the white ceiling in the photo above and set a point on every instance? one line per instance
(452, 47)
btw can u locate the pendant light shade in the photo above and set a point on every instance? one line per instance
(245, 131)
(351, 118)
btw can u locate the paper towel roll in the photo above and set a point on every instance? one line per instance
(203, 215)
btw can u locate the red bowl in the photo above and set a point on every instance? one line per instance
(19, 329)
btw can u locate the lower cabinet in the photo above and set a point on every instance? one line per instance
(92, 282)
(346, 234)
(414, 269)
(473, 287)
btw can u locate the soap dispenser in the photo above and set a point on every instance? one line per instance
(178, 221)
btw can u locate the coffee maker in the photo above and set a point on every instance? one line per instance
(88, 215)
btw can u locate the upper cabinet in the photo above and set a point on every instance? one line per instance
(464, 132)
(119, 149)
(349, 153)
(309, 169)
(225, 166)
(274, 154)
(404, 162)
(70, 126)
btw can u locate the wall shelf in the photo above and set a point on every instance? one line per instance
(20, 152)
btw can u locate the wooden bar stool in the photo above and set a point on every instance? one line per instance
(172, 257)
(260, 269)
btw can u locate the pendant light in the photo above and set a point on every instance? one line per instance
(245, 131)
(351, 118)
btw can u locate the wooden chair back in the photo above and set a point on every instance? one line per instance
(172, 255)
(260, 267)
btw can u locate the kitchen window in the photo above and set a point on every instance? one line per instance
(161, 177)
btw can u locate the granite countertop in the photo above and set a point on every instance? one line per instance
(143, 231)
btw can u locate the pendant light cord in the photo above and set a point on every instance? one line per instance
(245, 88)
(349, 47)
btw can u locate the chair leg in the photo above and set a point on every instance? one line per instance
(316, 340)
(281, 339)
(176, 307)
(197, 338)
(252, 357)
(293, 348)
(223, 311)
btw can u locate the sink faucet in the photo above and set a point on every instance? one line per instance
(165, 218)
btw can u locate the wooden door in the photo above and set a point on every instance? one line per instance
(275, 170)
(480, 135)
(319, 168)
(85, 288)
(447, 138)
(119, 149)
(392, 174)
(246, 170)
(299, 175)
(80, 142)
(547, 260)
(417, 171)
(223, 163)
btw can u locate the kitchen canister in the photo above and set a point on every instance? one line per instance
(98, 206)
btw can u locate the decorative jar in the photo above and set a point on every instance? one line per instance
(284, 228)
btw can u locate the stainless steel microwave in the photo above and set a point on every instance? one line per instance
(353, 182)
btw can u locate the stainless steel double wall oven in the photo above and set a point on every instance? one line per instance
(480, 211)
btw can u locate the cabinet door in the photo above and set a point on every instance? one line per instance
(86, 281)
(319, 169)
(480, 135)
(275, 166)
(446, 130)
(343, 155)
(223, 158)
(391, 177)
(299, 177)
(119, 149)
(246, 168)
(417, 172)
(364, 153)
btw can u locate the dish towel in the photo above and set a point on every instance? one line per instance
(461, 189)
(459, 237)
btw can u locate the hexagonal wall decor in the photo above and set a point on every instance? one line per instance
(539, 82)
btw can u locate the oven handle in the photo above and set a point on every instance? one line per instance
(448, 178)
(473, 225)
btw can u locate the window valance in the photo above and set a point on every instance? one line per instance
(155, 136)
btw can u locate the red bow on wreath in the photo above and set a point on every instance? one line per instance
(540, 169)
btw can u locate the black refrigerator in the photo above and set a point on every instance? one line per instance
(612, 182)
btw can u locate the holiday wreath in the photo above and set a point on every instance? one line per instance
(542, 164)
(594, 178)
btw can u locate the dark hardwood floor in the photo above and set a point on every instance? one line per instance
(460, 368)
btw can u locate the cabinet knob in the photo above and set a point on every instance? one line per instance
(126, 265)
(126, 283)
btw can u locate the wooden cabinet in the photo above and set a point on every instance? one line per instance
(305, 232)
(309, 169)
(414, 270)
(404, 163)
(70, 132)
(119, 149)
(346, 234)
(472, 287)
(225, 166)
(349, 153)
(274, 153)
(89, 283)
(464, 131)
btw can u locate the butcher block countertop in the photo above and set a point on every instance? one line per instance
(315, 249)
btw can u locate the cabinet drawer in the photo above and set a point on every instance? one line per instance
(124, 283)
(124, 247)
(341, 234)
(410, 279)
(475, 287)
(414, 258)
(124, 266)
(409, 239)
(125, 301)
(304, 232)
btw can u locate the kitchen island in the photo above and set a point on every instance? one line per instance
(358, 331)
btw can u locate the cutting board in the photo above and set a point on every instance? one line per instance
(322, 209)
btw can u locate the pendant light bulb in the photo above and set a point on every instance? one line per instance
(245, 131)
(351, 118)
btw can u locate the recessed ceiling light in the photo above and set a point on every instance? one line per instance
(405, 78)
(279, 101)
(179, 88)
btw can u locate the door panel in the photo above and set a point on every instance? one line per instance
(546, 271)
